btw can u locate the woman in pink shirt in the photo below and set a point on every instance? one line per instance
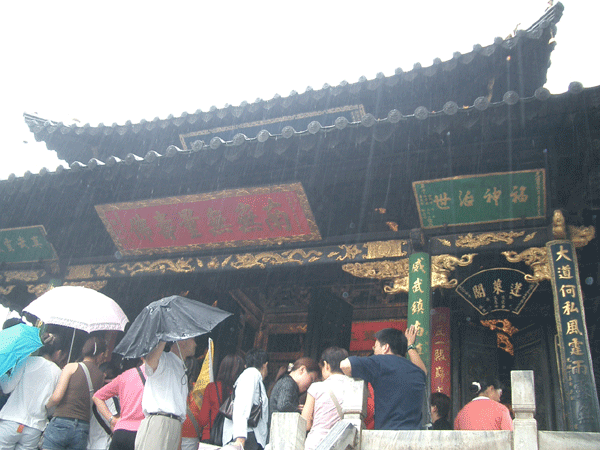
(129, 387)
(324, 399)
(484, 412)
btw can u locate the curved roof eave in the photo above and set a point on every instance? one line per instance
(43, 129)
(341, 124)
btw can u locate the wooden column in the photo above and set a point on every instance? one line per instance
(419, 311)
(579, 386)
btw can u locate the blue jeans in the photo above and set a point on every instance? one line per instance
(66, 434)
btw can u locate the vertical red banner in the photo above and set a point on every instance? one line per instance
(440, 351)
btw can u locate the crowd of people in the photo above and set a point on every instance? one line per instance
(149, 406)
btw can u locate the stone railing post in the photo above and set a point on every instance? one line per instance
(355, 402)
(355, 405)
(525, 435)
(288, 431)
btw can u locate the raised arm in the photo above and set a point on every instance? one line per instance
(413, 354)
(152, 358)
(61, 387)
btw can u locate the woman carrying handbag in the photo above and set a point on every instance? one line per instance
(250, 396)
(216, 392)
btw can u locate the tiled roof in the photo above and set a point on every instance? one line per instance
(44, 128)
(232, 149)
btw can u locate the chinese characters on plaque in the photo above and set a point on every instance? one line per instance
(498, 289)
(481, 198)
(440, 351)
(28, 244)
(419, 296)
(255, 216)
(578, 377)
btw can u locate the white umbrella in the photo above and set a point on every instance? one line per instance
(78, 307)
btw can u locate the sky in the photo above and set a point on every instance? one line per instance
(113, 61)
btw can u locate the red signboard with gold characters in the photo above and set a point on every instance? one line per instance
(233, 218)
(440, 351)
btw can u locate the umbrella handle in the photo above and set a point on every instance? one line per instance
(71, 348)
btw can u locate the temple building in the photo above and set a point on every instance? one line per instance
(462, 197)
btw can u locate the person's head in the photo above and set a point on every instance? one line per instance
(304, 372)
(229, 370)
(489, 387)
(331, 359)
(94, 348)
(53, 349)
(440, 406)
(184, 348)
(390, 341)
(110, 369)
(259, 359)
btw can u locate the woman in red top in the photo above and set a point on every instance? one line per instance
(484, 412)
(190, 430)
(230, 369)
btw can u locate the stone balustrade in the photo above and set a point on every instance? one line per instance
(288, 429)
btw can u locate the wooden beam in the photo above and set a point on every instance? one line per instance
(254, 315)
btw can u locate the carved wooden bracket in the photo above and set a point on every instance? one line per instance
(397, 271)
(534, 257)
(581, 236)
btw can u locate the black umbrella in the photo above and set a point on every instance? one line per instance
(169, 319)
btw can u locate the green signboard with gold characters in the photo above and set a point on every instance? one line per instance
(27, 244)
(487, 198)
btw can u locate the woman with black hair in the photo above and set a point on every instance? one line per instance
(23, 417)
(250, 392)
(70, 427)
(285, 395)
(216, 392)
(440, 408)
(322, 409)
(484, 412)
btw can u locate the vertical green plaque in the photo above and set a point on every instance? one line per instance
(581, 398)
(419, 299)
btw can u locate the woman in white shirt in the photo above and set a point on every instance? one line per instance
(23, 418)
(322, 409)
(249, 390)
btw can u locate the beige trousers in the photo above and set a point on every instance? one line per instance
(158, 433)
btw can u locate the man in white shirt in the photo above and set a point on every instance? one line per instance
(165, 394)
(23, 418)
